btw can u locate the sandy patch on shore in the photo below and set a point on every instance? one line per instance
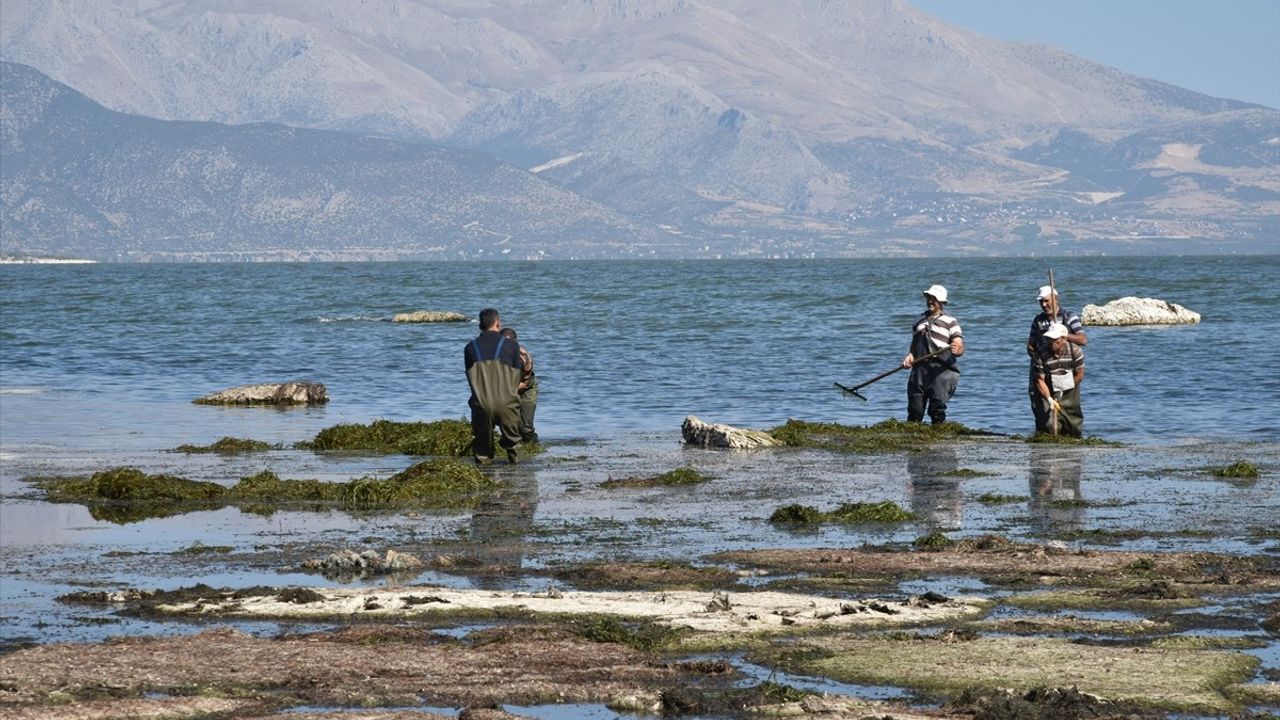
(702, 611)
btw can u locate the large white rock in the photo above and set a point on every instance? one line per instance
(1138, 311)
(703, 434)
(429, 316)
(296, 392)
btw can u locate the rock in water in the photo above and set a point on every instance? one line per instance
(1138, 311)
(296, 392)
(428, 316)
(703, 434)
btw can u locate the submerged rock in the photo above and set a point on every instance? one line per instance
(294, 392)
(429, 316)
(703, 434)
(1138, 311)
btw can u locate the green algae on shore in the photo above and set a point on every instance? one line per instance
(127, 494)
(1170, 679)
(885, 512)
(227, 446)
(677, 477)
(885, 436)
(1158, 595)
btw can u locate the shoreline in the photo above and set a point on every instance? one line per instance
(1137, 545)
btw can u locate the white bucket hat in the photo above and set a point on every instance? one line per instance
(1055, 331)
(937, 292)
(1045, 292)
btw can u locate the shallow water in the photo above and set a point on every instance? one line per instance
(100, 364)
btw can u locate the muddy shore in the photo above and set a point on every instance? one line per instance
(1060, 581)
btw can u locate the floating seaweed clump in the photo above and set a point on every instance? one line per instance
(227, 446)
(886, 511)
(448, 483)
(935, 540)
(679, 476)
(127, 485)
(884, 436)
(450, 438)
(125, 495)
(1240, 469)
(966, 473)
(997, 499)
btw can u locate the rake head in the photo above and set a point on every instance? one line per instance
(850, 391)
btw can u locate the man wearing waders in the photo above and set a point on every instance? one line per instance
(1051, 311)
(493, 371)
(1059, 369)
(933, 380)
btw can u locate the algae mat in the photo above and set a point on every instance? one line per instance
(697, 610)
(1167, 679)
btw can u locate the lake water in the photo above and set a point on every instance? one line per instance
(100, 364)
(110, 356)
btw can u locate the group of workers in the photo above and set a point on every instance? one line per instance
(1057, 363)
(504, 388)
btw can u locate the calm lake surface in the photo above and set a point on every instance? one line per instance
(100, 364)
(110, 356)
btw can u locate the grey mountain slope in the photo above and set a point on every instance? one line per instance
(796, 115)
(79, 179)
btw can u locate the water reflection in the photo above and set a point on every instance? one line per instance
(935, 490)
(499, 526)
(1057, 504)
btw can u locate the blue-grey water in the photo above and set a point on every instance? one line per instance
(111, 355)
(99, 365)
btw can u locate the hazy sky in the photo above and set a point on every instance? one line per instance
(1226, 48)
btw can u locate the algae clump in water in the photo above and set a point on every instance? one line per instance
(884, 436)
(679, 476)
(1240, 469)
(126, 494)
(443, 438)
(886, 511)
(226, 446)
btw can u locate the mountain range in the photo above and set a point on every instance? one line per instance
(605, 128)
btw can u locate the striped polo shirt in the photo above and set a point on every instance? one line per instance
(1043, 321)
(1067, 361)
(940, 329)
(938, 333)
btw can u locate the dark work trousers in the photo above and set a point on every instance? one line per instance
(482, 421)
(929, 388)
(1070, 418)
(529, 406)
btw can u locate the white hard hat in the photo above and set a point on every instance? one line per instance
(937, 292)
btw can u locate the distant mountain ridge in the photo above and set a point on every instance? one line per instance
(77, 179)
(740, 126)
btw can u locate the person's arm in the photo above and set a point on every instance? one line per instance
(1075, 331)
(1079, 375)
(957, 341)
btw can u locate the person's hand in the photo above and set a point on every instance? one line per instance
(956, 348)
(908, 361)
(1055, 405)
